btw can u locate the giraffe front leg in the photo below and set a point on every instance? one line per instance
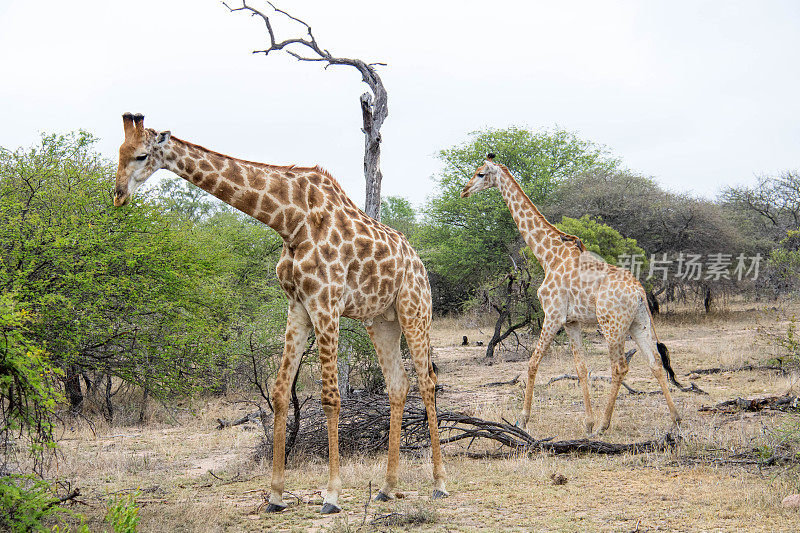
(327, 332)
(298, 327)
(579, 355)
(419, 345)
(549, 330)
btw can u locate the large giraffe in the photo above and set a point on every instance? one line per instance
(336, 262)
(579, 288)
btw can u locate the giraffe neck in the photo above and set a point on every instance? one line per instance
(256, 189)
(545, 240)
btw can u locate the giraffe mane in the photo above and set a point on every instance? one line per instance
(564, 235)
(283, 168)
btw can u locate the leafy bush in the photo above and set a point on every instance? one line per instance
(600, 238)
(24, 502)
(111, 292)
(28, 395)
(785, 262)
(123, 514)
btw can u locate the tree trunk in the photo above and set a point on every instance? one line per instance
(498, 333)
(373, 115)
(109, 403)
(652, 301)
(72, 388)
(294, 426)
(707, 299)
(144, 405)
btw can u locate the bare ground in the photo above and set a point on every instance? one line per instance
(192, 477)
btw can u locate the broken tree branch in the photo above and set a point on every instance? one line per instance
(68, 497)
(745, 368)
(255, 416)
(786, 403)
(501, 383)
(607, 379)
(374, 107)
(573, 377)
(364, 428)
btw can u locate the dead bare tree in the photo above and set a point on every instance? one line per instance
(373, 106)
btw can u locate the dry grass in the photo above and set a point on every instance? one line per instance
(195, 478)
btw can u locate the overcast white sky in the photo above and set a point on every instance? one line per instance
(698, 94)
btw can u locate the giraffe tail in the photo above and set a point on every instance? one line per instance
(664, 353)
(433, 370)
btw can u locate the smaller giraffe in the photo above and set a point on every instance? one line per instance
(579, 288)
(336, 262)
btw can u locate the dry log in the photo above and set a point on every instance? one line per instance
(745, 368)
(607, 379)
(786, 403)
(255, 416)
(364, 428)
(69, 497)
(691, 388)
(501, 383)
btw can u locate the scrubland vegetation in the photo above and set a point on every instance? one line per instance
(128, 332)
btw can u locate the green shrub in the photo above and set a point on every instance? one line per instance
(24, 502)
(123, 513)
(28, 393)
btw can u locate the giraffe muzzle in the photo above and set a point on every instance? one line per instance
(121, 199)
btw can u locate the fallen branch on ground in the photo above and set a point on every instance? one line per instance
(71, 496)
(249, 417)
(364, 428)
(607, 379)
(518, 440)
(691, 388)
(786, 403)
(745, 368)
(501, 383)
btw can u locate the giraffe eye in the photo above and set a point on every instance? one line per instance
(481, 175)
(141, 157)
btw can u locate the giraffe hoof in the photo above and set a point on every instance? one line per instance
(329, 508)
(274, 508)
(381, 497)
(439, 494)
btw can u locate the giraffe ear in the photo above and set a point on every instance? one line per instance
(163, 137)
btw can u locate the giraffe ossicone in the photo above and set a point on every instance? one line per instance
(336, 262)
(579, 287)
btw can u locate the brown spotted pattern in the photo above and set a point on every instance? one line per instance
(578, 288)
(336, 262)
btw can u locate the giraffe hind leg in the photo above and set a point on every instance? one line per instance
(385, 335)
(298, 327)
(644, 336)
(415, 319)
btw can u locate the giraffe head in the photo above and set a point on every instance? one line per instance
(141, 154)
(485, 177)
